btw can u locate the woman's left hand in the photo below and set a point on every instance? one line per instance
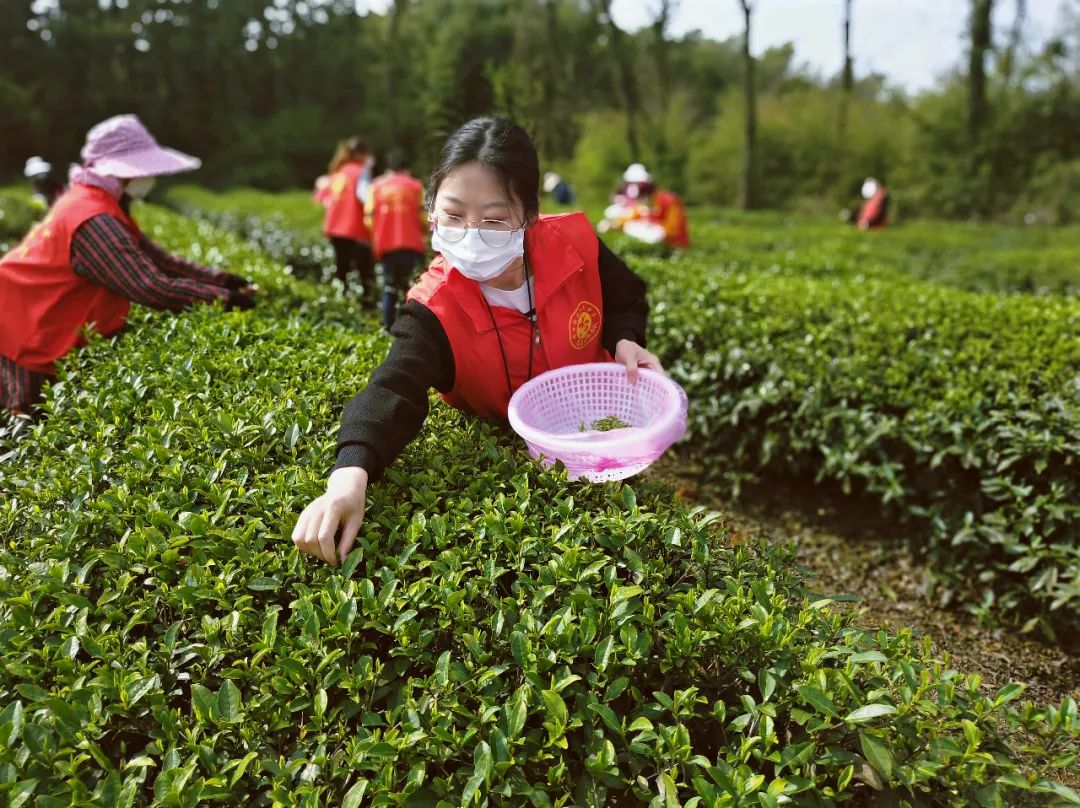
(629, 353)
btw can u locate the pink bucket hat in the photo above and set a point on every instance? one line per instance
(122, 147)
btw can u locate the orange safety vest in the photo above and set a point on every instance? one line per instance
(344, 212)
(563, 253)
(46, 306)
(670, 213)
(397, 201)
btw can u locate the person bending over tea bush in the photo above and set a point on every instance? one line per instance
(86, 262)
(510, 295)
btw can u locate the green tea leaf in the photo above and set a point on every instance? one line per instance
(877, 752)
(228, 701)
(556, 707)
(21, 792)
(818, 700)
(603, 652)
(355, 794)
(869, 711)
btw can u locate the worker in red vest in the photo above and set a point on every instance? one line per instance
(82, 266)
(510, 295)
(648, 213)
(874, 213)
(399, 224)
(344, 225)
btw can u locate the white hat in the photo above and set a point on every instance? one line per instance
(636, 173)
(36, 167)
(869, 187)
(551, 179)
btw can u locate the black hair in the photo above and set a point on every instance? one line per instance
(348, 149)
(396, 160)
(500, 145)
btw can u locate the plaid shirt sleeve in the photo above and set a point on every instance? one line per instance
(20, 388)
(178, 267)
(104, 251)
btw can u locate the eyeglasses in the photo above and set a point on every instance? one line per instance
(493, 232)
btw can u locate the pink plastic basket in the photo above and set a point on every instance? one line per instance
(550, 410)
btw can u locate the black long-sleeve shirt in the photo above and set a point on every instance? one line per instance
(380, 420)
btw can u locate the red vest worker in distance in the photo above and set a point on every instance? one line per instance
(509, 295)
(669, 212)
(86, 262)
(874, 213)
(344, 208)
(398, 219)
(345, 223)
(399, 224)
(646, 212)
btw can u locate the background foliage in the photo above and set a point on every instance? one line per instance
(263, 90)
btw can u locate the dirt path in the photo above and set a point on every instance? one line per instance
(847, 548)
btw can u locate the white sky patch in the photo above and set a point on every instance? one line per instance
(913, 42)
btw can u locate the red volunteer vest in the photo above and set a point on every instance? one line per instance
(45, 305)
(563, 253)
(871, 213)
(396, 202)
(344, 212)
(672, 215)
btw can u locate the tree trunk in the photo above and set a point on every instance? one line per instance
(663, 74)
(847, 80)
(550, 143)
(626, 81)
(749, 166)
(391, 69)
(978, 109)
(1008, 62)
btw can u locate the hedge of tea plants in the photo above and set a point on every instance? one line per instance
(823, 354)
(17, 214)
(286, 227)
(501, 636)
(959, 410)
(975, 257)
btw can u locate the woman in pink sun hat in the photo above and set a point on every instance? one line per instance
(82, 266)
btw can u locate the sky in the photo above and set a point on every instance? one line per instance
(912, 42)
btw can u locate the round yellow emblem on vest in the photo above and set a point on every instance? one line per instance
(584, 324)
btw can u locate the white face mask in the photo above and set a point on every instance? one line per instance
(476, 260)
(139, 187)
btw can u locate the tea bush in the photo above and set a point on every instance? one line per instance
(825, 355)
(17, 214)
(975, 257)
(287, 227)
(501, 636)
(959, 410)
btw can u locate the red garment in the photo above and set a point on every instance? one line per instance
(668, 210)
(872, 213)
(46, 305)
(344, 212)
(562, 251)
(397, 201)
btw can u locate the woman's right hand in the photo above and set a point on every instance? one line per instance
(341, 506)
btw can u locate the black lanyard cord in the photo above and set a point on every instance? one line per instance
(532, 328)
